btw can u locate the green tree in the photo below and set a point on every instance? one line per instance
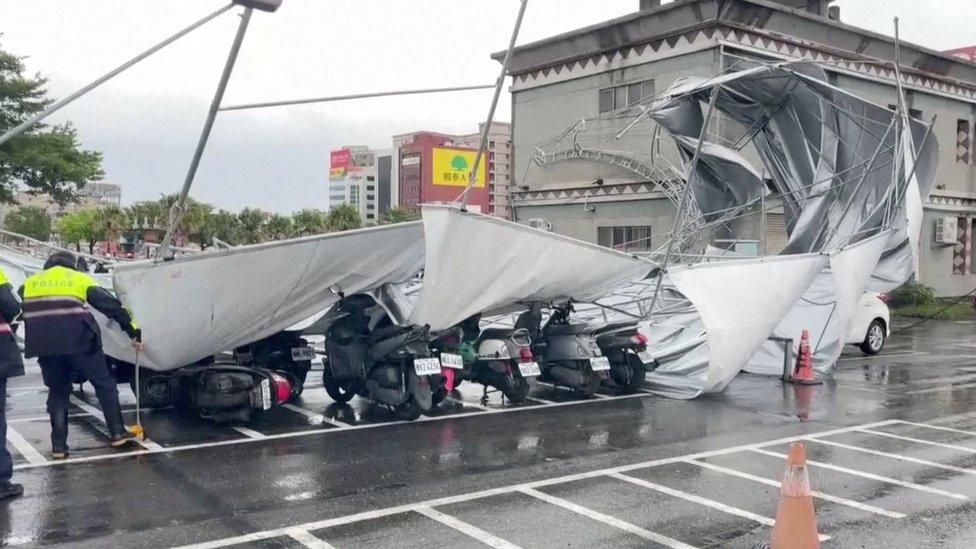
(29, 221)
(400, 215)
(252, 225)
(80, 226)
(343, 217)
(308, 222)
(225, 226)
(193, 222)
(110, 222)
(279, 227)
(44, 159)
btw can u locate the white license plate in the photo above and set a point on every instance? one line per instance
(449, 360)
(426, 366)
(265, 394)
(529, 369)
(299, 354)
(599, 363)
(645, 357)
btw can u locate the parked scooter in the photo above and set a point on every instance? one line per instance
(626, 349)
(568, 354)
(494, 357)
(369, 355)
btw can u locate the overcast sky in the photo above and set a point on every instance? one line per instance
(146, 122)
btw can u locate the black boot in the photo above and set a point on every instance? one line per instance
(10, 490)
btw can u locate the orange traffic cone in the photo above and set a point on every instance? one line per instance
(803, 373)
(796, 523)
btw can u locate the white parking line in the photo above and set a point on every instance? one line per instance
(250, 433)
(307, 539)
(814, 493)
(939, 428)
(44, 417)
(875, 357)
(470, 496)
(24, 448)
(872, 476)
(542, 400)
(607, 519)
(941, 389)
(695, 499)
(310, 432)
(321, 417)
(919, 441)
(98, 416)
(465, 528)
(898, 457)
(472, 404)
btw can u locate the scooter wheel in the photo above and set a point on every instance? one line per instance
(516, 389)
(340, 392)
(408, 411)
(638, 371)
(592, 384)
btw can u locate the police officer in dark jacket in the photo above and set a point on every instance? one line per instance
(62, 333)
(11, 365)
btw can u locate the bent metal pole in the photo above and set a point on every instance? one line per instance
(288, 102)
(27, 124)
(473, 177)
(177, 210)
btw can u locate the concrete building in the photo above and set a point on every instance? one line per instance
(363, 178)
(499, 159)
(92, 196)
(605, 198)
(433, 169)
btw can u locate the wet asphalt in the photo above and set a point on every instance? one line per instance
(894, 457)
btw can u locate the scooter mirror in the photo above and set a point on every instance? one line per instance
(336, 289)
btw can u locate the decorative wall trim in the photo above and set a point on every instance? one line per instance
(624, 191)
(699, 40)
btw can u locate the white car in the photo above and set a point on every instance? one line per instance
(871, 325)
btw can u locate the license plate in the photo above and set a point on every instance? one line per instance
(529, 369)
(599, 363)
(265, 394)
(299, 354)
(426, 366)
(449, 360)
(646, 357)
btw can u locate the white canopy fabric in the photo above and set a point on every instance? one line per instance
(826, 309)
(477, 263)
(740, 303)
(194, 306)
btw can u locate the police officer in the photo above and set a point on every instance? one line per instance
(63, 334)
(11, 365)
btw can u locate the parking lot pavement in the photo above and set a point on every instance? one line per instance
(891, 442)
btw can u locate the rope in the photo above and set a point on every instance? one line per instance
(940, 311)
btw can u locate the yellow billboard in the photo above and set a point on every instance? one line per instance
(452, 167)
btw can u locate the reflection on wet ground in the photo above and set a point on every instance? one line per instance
(891, 439)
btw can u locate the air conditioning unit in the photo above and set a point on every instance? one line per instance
(540, 223)
(945, 230)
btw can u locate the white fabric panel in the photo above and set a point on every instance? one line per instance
(740, 303)
(477, 263)
(826, 309)
(194, 306)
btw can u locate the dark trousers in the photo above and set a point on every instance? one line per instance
(6, 462)
(56, 371)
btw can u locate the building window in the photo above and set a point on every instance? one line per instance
(624, 96)
(964, 141)
(606, 100)
(962, 253)
(491, 144)
(627, 239)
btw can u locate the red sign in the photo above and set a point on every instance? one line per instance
(966, 53)
(341, 158)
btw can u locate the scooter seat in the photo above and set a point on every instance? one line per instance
(570, 329)
(496, 333)
(614, 327)
(388, 332)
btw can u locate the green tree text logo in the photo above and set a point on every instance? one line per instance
(459, 163)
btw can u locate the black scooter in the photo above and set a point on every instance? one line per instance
(367, 354)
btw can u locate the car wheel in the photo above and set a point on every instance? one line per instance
(874, 340)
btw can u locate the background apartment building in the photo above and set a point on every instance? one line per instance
(589, 185)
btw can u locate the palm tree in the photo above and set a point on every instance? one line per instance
(109, 223)
(279, 227)
(343, 217)
(252, 225)
(308, 222)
